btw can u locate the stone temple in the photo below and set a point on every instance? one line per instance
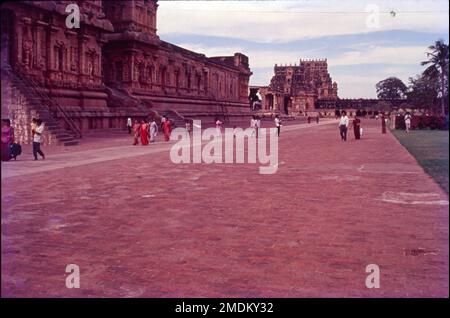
(296, 89)
(112, 67)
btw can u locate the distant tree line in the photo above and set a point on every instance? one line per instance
(428, 90)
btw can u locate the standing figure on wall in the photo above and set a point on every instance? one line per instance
(90, 68)
(26, 52)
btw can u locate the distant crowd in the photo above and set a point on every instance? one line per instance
(144, 131)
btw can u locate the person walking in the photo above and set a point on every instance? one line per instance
(167, 128)
(144, 133)
(343, 125)
(136, 131)
(37, 139)
(357, 127)
(33, 126)
(163, 120)
(218, 127)
(407, 122)
(188, 126)
(257, 125)
(278, 124)
(7, 139)
(129, 125)
(153, 130)
(383, 123)
(252, 125)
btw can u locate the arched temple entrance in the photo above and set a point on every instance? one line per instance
(269, 102)
(287, 104)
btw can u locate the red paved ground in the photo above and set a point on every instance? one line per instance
(141, 226)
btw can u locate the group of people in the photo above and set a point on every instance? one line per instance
(8, 147)
(146, 131)
(344, 122)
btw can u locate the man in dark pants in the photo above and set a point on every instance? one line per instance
(37, 138)
(343, 125)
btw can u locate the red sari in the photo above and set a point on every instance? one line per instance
(144, 134)
(166, 129)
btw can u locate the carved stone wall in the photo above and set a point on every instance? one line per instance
(16, 107)
(117, 45)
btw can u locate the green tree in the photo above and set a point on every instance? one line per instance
(423, 91)
(391, 88)
(438, 68)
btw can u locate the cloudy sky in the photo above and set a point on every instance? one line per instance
(364, 41)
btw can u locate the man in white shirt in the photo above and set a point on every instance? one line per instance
(129, 125)
(37, 139)
(278, 124)
(343, 125)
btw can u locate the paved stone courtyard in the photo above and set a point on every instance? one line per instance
(140, 226)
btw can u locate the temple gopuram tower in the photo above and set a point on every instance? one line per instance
(295, 89)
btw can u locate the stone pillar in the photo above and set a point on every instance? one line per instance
(82, 39)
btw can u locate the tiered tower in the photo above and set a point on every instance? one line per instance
(303, 84)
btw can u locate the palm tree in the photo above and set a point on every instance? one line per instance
(438, 66)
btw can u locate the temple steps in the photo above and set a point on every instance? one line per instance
(39, 106)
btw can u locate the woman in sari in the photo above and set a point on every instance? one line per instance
(167, 127)
(357, 127)
(144, 133)
(136, 131)
(7, 139)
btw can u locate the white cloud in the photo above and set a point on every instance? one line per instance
(273, 22)
(379, 54)
(281, 21)
(371, 54)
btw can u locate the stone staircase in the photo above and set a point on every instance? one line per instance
(40, 104)
(175, 117)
